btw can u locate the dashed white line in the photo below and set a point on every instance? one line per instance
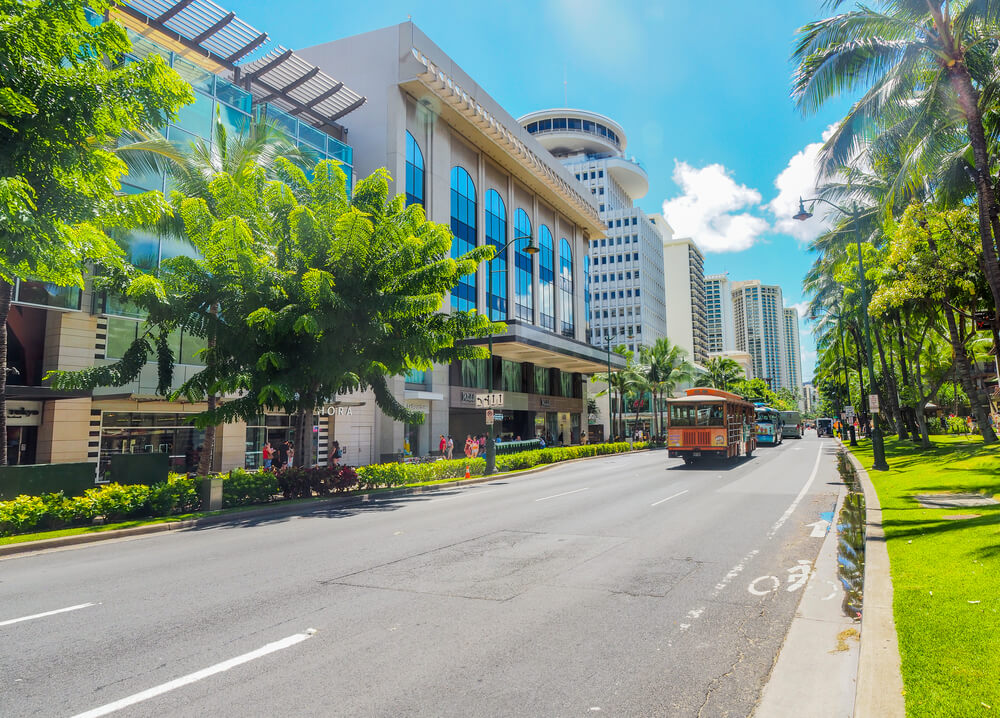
(657, 503)
(791, 509)
(196, 676)
(47, 613)
(733, 573)
(564, 493)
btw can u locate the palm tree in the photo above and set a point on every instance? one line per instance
(917, 61)
(667, 367)
(722, 372)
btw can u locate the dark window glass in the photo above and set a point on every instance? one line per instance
(463, 227)
(544, 125)
(524, 304)
(532, 127)
(566, 288)
(574, 124)
(414, 172)
(496, 234)
(546, 279)
(559, 123)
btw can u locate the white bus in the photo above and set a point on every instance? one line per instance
(792, 428)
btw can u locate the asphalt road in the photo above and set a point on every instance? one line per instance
(621, 586)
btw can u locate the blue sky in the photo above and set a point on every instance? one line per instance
(701, 88)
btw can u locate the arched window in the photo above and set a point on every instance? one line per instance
(414, 172)
(496, 234)
(546, 279)
(463, 226)
(523, 292)
(566, 288)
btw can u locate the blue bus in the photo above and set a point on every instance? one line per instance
(769, 426)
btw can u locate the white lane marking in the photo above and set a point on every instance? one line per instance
(47, 613)
(733, 573)
(657, 503)
(196, 676)
(795, 504)
(564, 493)
(819, 528)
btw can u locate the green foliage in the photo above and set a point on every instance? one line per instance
(320, 294)
(243, 487)
(177, 495)
(784, 400)
(722, 373)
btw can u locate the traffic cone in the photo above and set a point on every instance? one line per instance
(467, 475)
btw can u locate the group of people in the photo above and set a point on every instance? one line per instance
(283, 457)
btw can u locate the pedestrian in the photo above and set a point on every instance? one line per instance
(560, 438)
(337, 453)
(468, 446)
(443, 445)
(291, 456)
(267, 453)
(451, 446)
(282, 455)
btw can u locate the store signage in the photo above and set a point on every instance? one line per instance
(336, 411)
(486, 400)
(546, 403)
(468, 397)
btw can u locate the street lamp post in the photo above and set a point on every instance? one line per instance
(532, 248)
(607, 346)
(878, 447)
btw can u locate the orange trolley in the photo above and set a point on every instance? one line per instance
(710, 422)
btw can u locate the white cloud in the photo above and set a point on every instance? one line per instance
(708, 211)
(799, 179)
(802, 308)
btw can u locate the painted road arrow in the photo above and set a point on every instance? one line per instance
(819, 528)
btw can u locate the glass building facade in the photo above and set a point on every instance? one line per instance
(524, 304)
(496, 234)
(463, 227)
(414, 172)
(546, 279)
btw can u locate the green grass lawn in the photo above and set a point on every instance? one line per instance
(945, 574)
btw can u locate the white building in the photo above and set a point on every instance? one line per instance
(451, 148)
(758, 328)
(626, 274)
(684, 271)
(810, 398)
(719, 314)
(792, 376)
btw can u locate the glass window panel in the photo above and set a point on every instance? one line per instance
(312, 137)
(142, 249)
(414, 172)
(48, 295)
(524, 265)
(191, 345)
(546, 279)
(496, 234)
(463, 227)
(176, 247)
(235, 121)
(197, 117)
(232, 95)
(144, 47)
(121, 334)
(198, 78)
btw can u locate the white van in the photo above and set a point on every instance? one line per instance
(792, 428)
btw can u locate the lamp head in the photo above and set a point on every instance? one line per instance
(532, 248)
(803, 215)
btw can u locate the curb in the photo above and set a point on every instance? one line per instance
(28, 547)
(880, 681)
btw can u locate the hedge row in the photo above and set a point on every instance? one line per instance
(180, 494)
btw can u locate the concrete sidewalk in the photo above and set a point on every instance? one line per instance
(815, 676)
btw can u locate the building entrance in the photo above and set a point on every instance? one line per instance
(21, 444)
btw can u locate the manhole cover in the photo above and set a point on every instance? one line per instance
(949, 501)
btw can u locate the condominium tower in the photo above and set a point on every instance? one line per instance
(759, 329)
(626, 267)
(792, 376)
(719, 314)
(684, 272)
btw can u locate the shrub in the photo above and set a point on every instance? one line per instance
(115, 502)
(21, 514)
(177, 495)
(243, 487)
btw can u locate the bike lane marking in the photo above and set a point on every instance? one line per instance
(795, 504)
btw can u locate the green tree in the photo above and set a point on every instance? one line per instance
(65, 99)
(666, 367)
(722, 373)
(917, 61)
(318, 294)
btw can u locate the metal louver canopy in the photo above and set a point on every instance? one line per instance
(281, 76)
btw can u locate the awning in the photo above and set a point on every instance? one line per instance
(528, 343)
(42, 393)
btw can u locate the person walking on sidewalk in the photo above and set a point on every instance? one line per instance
(451, 446)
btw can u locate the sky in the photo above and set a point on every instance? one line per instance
(702, 90)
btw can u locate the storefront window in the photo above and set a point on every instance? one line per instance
(542, 380)
(565, 384)
(512, 376)
(474, 373)
(148, 432)
(48, 295)
(277, 429)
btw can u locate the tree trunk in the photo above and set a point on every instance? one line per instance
(989, 225)
(890, 384)
(207, 459)
(963, 366)
(6, 294)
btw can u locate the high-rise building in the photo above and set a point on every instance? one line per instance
(237, 74)
(684, 272)
(626, 276)
(810, 398)
(453, 149)
(719, 314)
(792, 376)
(758, 324)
